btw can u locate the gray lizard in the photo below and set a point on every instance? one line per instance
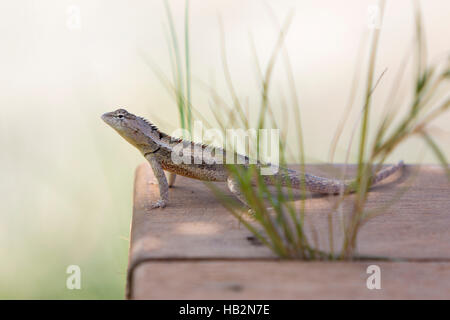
(159, 150)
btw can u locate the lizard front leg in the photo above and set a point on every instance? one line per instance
(162, 183)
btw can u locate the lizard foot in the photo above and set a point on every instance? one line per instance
(251, 214)
(157, 204)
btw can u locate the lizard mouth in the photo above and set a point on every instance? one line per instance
(106, 116)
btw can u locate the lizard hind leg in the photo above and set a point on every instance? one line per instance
(233, 186)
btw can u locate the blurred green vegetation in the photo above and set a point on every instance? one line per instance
(67, 201)
(67, 179)
(283, 227)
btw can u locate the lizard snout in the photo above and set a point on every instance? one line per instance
(107, 116)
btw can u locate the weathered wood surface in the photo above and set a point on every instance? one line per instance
(195, 230)
(289, 280)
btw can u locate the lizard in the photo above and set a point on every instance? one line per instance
(158, 149)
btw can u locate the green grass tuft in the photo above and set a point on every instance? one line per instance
(284, 228)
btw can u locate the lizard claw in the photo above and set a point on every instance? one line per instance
(157, 204)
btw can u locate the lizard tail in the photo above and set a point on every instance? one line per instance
(387, 172)
(332, 186)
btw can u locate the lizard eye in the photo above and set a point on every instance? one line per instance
(120, 116)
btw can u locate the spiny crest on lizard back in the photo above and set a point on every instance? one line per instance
(149, 123)
(172, 139)
(122, 113)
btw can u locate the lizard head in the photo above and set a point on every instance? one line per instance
(136, 130)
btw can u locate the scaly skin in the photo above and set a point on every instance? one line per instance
(158, 148)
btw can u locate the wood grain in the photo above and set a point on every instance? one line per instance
(289, 280)
(195, 228)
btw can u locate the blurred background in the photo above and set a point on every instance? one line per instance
(67, 179)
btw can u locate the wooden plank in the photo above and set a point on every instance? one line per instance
(196, 235)
(195, 225)
(288, 280)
